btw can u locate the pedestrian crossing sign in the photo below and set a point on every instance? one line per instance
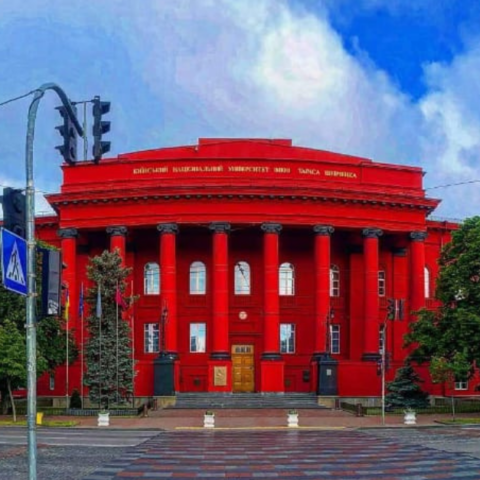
(14, 262)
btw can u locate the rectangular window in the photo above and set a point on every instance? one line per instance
(151, 338)
(242, 278)
(198, 337)
(334, 338)
(287, 338)
(286, 279)
(461, 385)
(381, 339)
(52, 382)
(381, 283)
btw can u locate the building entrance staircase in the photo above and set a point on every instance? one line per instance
(206, 400)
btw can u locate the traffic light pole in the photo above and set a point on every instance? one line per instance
(30, 326)
(384, 349)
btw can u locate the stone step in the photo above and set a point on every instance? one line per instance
(246, 400)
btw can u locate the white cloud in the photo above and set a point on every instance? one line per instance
(263, 68)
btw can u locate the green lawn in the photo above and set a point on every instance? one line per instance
(459, 421)
(45, 423)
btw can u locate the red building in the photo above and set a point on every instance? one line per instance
(275, 263)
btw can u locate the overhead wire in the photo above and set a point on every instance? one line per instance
(17, 98)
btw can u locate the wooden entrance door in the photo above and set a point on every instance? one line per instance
(243, 368)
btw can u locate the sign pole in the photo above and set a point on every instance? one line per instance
(31, 293)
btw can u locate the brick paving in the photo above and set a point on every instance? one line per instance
(289, 455)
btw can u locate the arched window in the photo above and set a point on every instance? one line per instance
(151, 279)
(242, 278)
(286, 279)
(381, 283)
(198, 278)
(427, 283)
(334, 281)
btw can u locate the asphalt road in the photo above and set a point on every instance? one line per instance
(383, 454)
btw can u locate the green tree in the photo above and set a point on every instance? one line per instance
(109, 373)
(51, 338)
(13, 365)
(449, 337)
(405, 391)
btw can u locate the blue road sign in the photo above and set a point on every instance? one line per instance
(14, 262)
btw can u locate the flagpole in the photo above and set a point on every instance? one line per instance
(82, 349)
(66, 347)
(118, 385)
(133, 344)
(99, 316)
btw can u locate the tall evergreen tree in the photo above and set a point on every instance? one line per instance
(109, 373)
(449, 337)
(405, 391)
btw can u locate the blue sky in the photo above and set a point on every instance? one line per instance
(392, 80)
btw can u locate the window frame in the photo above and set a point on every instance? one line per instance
(194, 332)
(461, 385)
(290, 341)
(286, 279)
(426, 282)
(382, 283)
(242, 278)
(334, 286)
(335, 331)
(149, 337)
(151, 280)
(197, 278)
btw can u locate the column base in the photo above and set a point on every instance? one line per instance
(271, 356)
(220, 356)
(371, 357)
(327, 375)
(219, 375)
(272, 375)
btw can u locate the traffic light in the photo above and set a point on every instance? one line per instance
(51, 281)
(391, 309)
(69, 148)
(99, 128)
(14, 210)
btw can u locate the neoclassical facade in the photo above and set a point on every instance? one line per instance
(259, 266)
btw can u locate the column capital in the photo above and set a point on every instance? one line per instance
(117, 231)
(167, 228)
(323, 230)
(418, 236)
(271, 227)
(372, 232)
(220, 227)
(67, 233)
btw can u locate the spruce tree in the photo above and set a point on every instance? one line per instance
(405, 391)
(108, 349)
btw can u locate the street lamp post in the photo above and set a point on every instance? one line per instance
(30, 326)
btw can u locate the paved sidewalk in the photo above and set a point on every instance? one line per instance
(170, 419)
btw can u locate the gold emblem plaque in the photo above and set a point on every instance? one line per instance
(220, 376)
